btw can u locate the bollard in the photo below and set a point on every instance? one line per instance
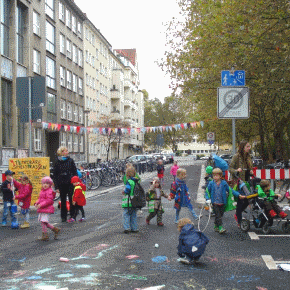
(273, 184)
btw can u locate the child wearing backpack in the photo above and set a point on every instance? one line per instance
(129, 212)
(160, 170)
(78, 198)
(192, 243)
(154, 202)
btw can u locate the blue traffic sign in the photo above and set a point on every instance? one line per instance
(210, 142)
(232, 79)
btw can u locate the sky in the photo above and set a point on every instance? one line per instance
(137, 24)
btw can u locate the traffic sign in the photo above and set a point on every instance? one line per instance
(233, 103)
(210, 136)
(210, 142)
(233, 79)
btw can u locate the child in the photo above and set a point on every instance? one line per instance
(179, 191)
(160, 171)
(216, 191)
(173, 169)
(129, 213)
(7, 188)
(24, 198)
(154, 202)
(271, 207)
(192, 243)
(79, 198)
(45, 207)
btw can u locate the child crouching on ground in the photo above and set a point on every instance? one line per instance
(154, 202)
(272, 209)
(192, 243)
(216, 193)
(79, 198)
(45, 208)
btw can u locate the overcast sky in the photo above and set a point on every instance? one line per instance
(136, 24)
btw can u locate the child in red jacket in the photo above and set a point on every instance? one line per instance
(24, 198)
(79, 198)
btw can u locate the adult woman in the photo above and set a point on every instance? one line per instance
(242, 163)
(64, 170)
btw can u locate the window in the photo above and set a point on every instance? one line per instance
(94, 84)
(68, 79)
(62, 109)
(97, 54)
(49, 8)
(63, 139)
(81, 120)
(93, 61)
(74, 24)
(91, 104)
(80, 58)
(87, 34)
(68, 48)
(75, 113)
(50, 72)
(6, 96)
(76, 142)
(20, 34)
(36, 23)
(62, 43)
(81, 86)
(69, 142)
(75, 54)
(75, 83)
(87, 79)
(93, 40)
(36, 61)
(87, 102)
(97, 74)
(81, 143)
(94, 105)
(79, 29)
(37, 139)
(69, 111)
(87, 56)
(68, 18)
(61, 12)
(50, 37)
(51, 108)
(62, 76)
(5, 15)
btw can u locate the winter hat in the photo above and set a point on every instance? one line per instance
(208, 170)
(9, 172)
(75, 179)
(47, 179)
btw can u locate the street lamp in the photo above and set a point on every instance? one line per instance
(86, 112)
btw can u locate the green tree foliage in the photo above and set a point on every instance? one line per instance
(244, 34)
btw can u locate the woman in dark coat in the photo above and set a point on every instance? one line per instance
(64, 170)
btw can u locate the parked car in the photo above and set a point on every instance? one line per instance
(204, 158)
(169, 157)
(227, 157)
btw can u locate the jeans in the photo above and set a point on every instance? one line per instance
(190, 208)
(130, 218)
(242, 204)
(66, 190)
(7, 207)
(25, 213)
(219, 212)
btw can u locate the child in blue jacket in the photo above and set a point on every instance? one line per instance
(192, 243)
(216, 193)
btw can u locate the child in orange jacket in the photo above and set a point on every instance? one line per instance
(79, 198)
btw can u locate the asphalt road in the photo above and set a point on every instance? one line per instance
(101, 256)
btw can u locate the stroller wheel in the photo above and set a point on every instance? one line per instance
(286, 227)
(245, 225)
(266, 228)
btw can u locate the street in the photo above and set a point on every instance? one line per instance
(101, 256)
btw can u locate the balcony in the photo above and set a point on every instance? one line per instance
(128, 103)
(116, 116)
(115, 94)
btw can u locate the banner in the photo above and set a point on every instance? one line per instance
(35, 168)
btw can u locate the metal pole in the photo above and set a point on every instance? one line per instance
(234, 135)
(29, 113)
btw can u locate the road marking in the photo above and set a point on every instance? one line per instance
(253, 236)
(271, 264)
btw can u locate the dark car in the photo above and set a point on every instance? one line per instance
(169, 157)
(227, 157)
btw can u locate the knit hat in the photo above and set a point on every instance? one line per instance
(75, 179)
(209, 169)
(47, 179)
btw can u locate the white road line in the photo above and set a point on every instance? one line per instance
(253, 236)
(269, 261)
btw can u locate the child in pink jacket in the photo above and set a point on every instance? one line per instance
(173, 169)
(45, 208)
(24, 198)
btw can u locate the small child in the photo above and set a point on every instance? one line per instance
(45, 208)
(129, 212)
(78, 199)
(208, 175)
(192, 243)
(24, 198)
(179, 191)
(154, 202)
(271, 207)
(8, 189)
(125, 179)
(160, 170)
(173, 169)
(216, 193)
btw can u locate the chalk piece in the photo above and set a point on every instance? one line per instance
(132, 257)
(63, 259)
(156, 246)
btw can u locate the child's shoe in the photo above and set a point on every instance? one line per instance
(222, 230)
(184, 261)
(147, 221)
(25, 225)
(71, 220)
(160, 224)
(82, 220)
(56, 232)
(283, 214)
(216, 228)
(44, 237)
(272, 213)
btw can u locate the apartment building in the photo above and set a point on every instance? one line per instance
(43, 38)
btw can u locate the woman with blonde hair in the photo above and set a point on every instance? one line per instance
(64, 170)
